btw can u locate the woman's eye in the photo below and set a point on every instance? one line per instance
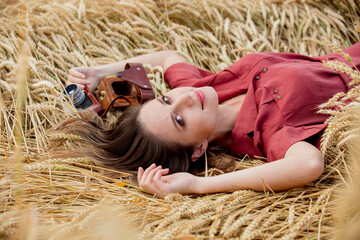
(166, 99)
(180, 120)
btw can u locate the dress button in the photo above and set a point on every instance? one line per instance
(278, 96)
(264, 70)
(257, 77)
(297, 61)
(275, 91)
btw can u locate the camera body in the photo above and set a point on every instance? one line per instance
(83, 99)
(126, 88)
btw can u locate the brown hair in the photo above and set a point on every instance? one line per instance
(126, 144)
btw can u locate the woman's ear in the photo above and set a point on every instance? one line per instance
(199, 150)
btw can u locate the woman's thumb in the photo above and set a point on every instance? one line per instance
(166, 178)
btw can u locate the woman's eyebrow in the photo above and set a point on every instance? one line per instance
(171, 116)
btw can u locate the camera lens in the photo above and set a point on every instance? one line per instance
(76, 94)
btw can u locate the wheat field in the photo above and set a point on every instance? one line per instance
(46, 196)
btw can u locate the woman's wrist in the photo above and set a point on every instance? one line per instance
(199, 185)
(204, 185)
(110, 69)
(101, 71)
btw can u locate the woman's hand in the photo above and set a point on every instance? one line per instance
(84, 76)
(91, 76)
(154, 181)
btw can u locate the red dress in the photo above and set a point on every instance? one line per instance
(283, 91)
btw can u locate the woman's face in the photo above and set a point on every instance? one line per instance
(184, 115)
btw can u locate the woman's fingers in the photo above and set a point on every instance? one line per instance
(146, 173)
(152, 179)
(150, 176)
(140, 174)
(160, 173)
(77, 80)
(76, 73)
(160, 187)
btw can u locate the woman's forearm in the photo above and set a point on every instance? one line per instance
(280, 175)
(162, 58)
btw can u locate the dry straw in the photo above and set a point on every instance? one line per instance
(46, 197)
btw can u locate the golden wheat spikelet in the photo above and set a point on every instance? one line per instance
(254, 224)
(201, 206)
(174, 215)
(214, 228)
(236, 226)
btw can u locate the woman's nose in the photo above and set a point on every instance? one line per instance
(184, 100)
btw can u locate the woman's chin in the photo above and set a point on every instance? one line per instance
(211, 107)
(211, 98)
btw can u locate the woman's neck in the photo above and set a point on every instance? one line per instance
(227, 114)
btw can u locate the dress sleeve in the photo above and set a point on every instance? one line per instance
(187, 75)
(285, 137)
(354, 53)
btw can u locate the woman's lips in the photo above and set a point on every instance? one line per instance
(201, 96)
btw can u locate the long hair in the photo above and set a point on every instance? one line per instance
(126, 144)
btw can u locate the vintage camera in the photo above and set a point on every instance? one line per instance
(126, 88)
(83, 99)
